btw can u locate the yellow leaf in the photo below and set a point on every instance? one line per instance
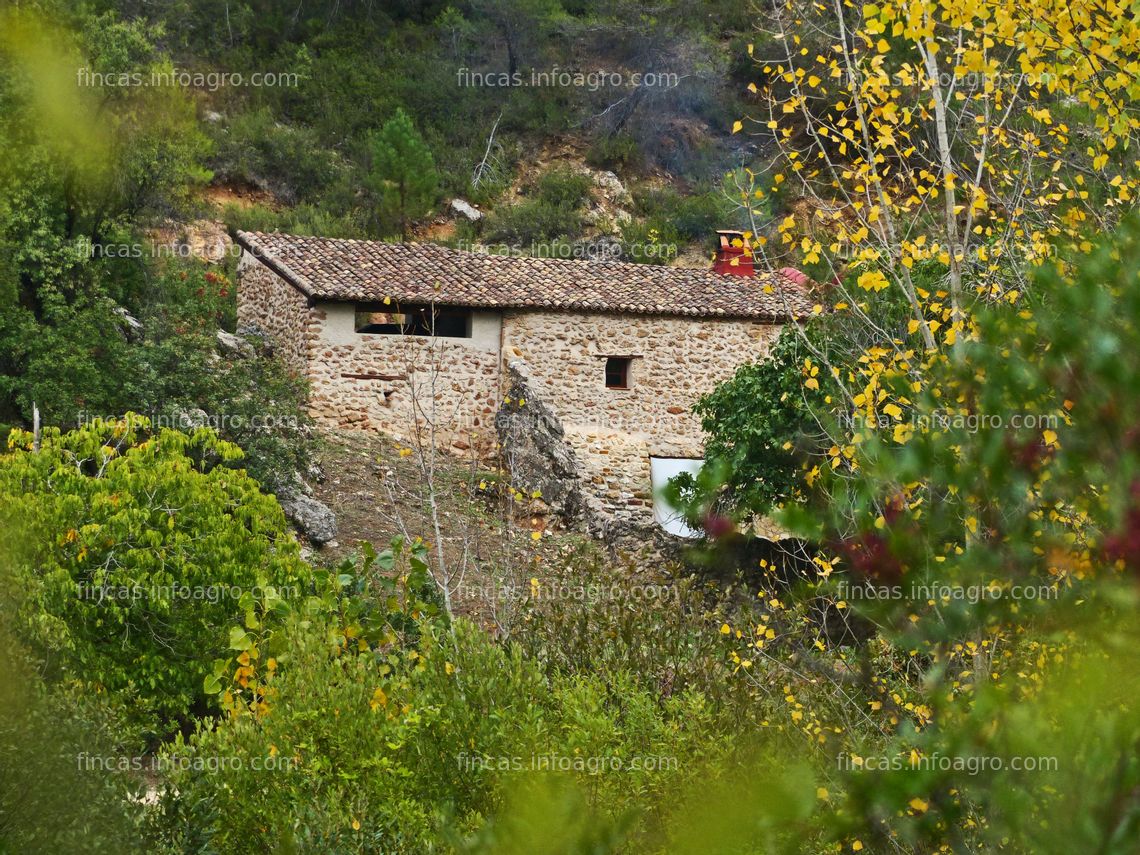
(918, 804)
(737, 125)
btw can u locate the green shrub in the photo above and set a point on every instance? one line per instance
(652, 241)
(303, 219)
(693, 218)
(551, 214)
(530, 222)
(395, 740)
(61, 784)
(564, 188)
(616, 151)
(147, 548)
(256, 149)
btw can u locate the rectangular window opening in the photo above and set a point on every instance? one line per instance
(617, 372)
(442, 321)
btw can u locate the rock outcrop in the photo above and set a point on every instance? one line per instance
(466, 209)
(312, 517)
(535, 451)
(234, 346)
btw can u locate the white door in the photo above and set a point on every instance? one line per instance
(661, 470)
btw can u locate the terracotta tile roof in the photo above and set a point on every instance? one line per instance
(335, 269)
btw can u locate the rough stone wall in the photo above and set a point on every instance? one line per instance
(614, 432)
(271, 304)
(411, 387)
(404, 385)
(400, 385)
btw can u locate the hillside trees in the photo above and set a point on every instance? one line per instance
(974, 136)
(517, 22)
(403, 172)
(993, 550)
(88, 161)
(929, 156)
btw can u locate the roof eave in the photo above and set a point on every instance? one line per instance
(247, 242)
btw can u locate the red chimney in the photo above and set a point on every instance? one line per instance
(733, 255)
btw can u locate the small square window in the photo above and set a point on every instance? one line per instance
(617, 372)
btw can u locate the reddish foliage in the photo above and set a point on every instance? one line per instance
(718, 527)
(1124, 545)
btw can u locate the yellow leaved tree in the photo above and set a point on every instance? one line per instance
(974, 135)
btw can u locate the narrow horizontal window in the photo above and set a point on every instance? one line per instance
(448, 322)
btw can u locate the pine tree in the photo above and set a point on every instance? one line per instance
(403, 172)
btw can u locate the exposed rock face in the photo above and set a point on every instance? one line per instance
(611, 185)
(256, 336)
(207, 240)
(314, 518)
(132, 327)
(535, 450)
(234, 346)
(466, 209)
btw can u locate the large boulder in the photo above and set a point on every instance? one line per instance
(233, 346)
(535, 450)
(466, 209)
(313, 517)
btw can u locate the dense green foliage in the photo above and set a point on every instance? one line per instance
(147, 547)
(162, 631)
(57, 793)
(761, 431)
(553, 214)
(356, 717)
(93, 320)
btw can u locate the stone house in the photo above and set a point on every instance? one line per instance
(425, 342)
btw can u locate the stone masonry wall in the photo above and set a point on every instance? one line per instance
(267, 301)
(390, 383)
(614, 432)
(404, 384)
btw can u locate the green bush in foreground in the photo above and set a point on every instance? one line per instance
(145, 548)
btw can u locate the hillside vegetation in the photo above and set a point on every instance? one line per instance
(943, 659)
